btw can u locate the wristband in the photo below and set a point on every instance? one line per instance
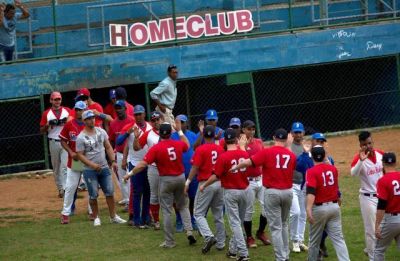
(187, 183)
(180, 133)
(102, 116)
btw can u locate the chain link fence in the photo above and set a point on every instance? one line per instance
(326, 98)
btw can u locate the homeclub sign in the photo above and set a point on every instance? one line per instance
(194, 26)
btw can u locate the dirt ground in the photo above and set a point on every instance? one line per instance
(34, 198)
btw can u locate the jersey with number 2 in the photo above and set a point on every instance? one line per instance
(167, 154)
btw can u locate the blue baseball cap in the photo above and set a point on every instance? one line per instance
(120, 103)
(87, 114)
(81, 105)
(138, 109)
(182, 117)
(112, 94)
(211, 115)
(155, 115)
(297, 127)
(235, 122)
(318, 136)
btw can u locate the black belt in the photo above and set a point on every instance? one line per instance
(394, 214)
(320, 204)
(370, 195)
(54, 140)
(254, 178)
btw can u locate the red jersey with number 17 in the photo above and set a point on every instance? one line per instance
(388, 188)
(205, 157)
(278, 165)
(167, 154)
(324, 179)
(236, 179)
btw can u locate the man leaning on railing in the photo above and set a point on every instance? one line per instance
(8, 22)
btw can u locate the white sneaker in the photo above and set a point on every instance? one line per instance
(123, 202)
(296, 247)
(97, 222)
(117, 220)
(165, 245)
(303, 247)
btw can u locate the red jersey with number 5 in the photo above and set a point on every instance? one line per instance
(236, 179)
(278, 164)
(205, 157)
(324, 179)
(388, 188)
(167, 154)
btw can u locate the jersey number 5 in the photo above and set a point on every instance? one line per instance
(328, 177)
(171, 153)
(279, 164)
(396, 188)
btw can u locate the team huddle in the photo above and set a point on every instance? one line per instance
(222, 172)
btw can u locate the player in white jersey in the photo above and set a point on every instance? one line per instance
(52, 122)
(367, 165)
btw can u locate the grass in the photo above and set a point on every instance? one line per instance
(48, 240)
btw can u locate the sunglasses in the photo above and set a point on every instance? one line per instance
(57, 99)
(211, 120)
(76, 109)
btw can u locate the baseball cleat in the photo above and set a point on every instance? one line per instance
(61, 193)
(303, 247)
(179, 227)
(263, 237)
(157, 225)
(97, 222)
(191, 239)
(64, 219)
(243, 258)
(208, 244)
(123, 202)
(165, 245)
(324, 251)
(117, 220)
(296, 247)
(251, 242)
(230, 255)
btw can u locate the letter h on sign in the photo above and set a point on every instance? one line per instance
(118, 34)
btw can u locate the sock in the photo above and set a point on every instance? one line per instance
(263, 224)
(154, 209)
(247, 228)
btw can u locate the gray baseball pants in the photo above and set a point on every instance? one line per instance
(327, 216)
(211, 197)
(277, 205)
(236, 201)
(390, 229)
(154, 182)
(59, 158)
(172, 191)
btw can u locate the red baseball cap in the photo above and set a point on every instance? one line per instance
(55, 95)
(83, 91)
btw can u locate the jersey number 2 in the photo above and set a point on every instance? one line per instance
(396, 188)
(171, 153)
(235, 163)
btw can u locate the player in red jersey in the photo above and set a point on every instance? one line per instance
(109, 108)
(323, 210)
(52, 122)
(256, 192)
(203, 162)
(387, 225)
(278, 165)
(235, 184)
(167, 154)
(114, 130)
(68, 136)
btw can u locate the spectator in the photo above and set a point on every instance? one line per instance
(120, 94)
(8, 23)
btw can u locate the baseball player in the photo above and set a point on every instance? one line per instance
(367, 165)
(256, 191)
(139, 199)
(91, 146)
(114, 130)
(387, 225)
(52, 122)
(211, 119)
(84, 95)
(278, 165)
(150, 138)
(120, 94)
(164, 95)
(323, 211)
(203, 163)
(187, 156)
(235, 184)
(68, 136)
(109, 109)
(235, 124)
(168, 156)
(298, 208)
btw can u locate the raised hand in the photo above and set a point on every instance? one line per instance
(201, 125)
(363, 153)
(17, 3)
(242, 141)
(306, 146)
(219, 134)
(178, 125)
